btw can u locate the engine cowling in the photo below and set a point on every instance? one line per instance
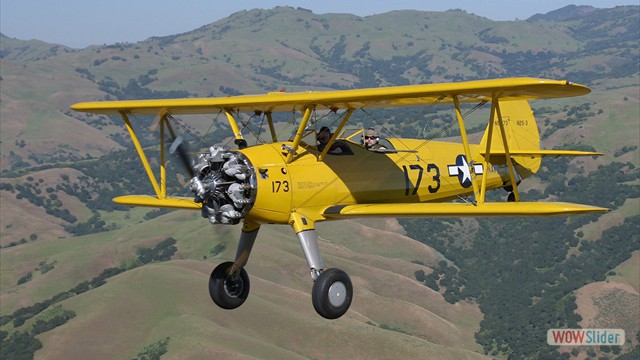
(225, 183)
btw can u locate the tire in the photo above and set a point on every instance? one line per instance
(332, 293)
(226, 291)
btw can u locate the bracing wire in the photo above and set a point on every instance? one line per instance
(186, 130)
(212, 123)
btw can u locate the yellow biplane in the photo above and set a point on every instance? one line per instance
(299, 183)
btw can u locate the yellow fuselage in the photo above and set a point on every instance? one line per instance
(420, 171)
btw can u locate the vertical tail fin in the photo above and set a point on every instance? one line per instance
(522, 135)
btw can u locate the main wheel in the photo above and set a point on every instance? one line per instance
(228, 291)
(332, 293)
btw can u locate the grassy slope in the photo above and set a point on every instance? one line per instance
(629, 272)
(623, 111)
(611, 304)
(170, 299)
(35, 97)
(16, 213)
(26, 218)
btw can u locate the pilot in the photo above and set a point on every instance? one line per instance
(338, 146)
(371, 140)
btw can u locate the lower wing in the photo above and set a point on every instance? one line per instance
(460, 210)
(168, 202)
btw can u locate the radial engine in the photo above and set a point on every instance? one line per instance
(225, 183)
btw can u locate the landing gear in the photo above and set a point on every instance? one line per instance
(332, 290)
(229, 281)
(332, 293)
(511, 197)
(228, 289)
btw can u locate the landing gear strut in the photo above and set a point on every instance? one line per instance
(332, 290)
(229, 281)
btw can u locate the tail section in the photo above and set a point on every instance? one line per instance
(522, 136)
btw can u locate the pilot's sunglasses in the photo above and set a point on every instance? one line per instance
(370, 137)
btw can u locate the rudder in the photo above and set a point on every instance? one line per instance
(522, 133)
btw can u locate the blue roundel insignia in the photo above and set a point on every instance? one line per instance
(462, 170)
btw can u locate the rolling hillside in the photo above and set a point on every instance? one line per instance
(149, 303)
(65, 244)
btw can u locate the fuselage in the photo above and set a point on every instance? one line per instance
(413, 171)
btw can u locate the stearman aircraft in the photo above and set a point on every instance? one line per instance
(298, 183)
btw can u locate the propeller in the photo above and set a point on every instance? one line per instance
(179, 147)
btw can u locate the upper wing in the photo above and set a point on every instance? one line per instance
(459, 210)
(398, 96)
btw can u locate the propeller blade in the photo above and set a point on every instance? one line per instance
(179, 147)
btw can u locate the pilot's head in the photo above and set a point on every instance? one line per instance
(370, 137)
(323, 135)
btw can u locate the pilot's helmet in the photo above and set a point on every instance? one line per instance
(371, 133)
(322, 130)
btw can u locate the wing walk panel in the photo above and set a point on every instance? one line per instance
(460, 210)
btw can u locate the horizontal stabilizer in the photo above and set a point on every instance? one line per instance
(546, 153)
(460, 210)
(169, 202)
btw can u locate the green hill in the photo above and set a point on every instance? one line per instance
(392, 313)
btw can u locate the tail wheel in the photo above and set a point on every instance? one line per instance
(332, 293)
(228, 291)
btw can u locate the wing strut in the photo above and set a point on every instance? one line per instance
(503, 134)
(467, 148)
(165, 117)
(336, 133)
(240, 141)
(272, 130)
(487, 160)
(163, 170)
(296, 140)
(160, 191)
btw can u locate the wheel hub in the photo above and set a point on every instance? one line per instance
(233, 287)
(337, 294)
